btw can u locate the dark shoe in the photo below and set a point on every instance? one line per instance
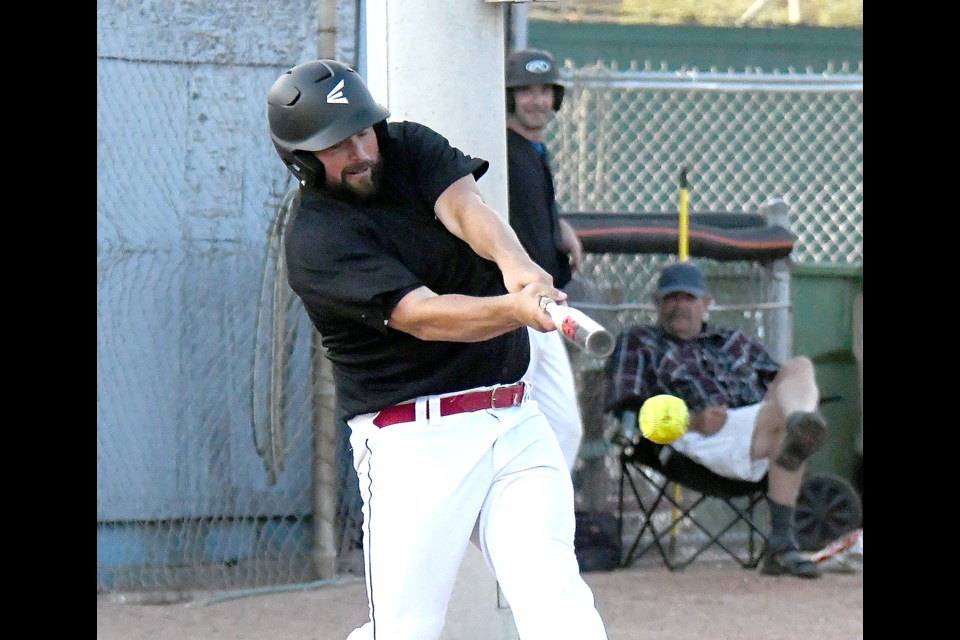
(788, 562)
(806, 432)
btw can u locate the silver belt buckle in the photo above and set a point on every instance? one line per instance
(493, 396)
(515, 400)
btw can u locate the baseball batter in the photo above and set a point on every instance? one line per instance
(423, 295)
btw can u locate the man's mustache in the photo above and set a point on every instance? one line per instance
(679, 314)
(360, 166)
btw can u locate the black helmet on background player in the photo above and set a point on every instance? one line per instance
(532, 66)
(314, 106)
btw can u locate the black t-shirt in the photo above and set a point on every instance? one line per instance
(533, 208)
(350, 264)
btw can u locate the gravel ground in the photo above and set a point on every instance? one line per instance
(709, 599)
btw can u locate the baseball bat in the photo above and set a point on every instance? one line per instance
(579, 328)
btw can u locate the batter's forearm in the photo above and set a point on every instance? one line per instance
(461, 318)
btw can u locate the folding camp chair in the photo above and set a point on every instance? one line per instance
(669, 490)
(663, 480)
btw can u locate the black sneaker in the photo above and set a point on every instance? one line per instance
(788, 562)
(806, 432)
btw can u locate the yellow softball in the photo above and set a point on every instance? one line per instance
(663, 419)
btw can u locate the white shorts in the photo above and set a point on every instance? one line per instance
(727, 452)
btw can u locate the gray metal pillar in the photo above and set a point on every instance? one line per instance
(779, 320)
(441, 63)
(325, 483)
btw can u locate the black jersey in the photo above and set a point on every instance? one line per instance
(533, 208)
(351, 264)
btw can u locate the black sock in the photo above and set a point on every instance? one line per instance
(781, 526)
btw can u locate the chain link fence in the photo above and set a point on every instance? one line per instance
(622, 138)
(253, 486)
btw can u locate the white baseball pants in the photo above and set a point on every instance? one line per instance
(427, 485)
(551, 378)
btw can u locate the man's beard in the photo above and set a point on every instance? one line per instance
(683, 317)
(359, 193)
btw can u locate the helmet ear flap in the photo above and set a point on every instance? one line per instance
(382, 131)
(308, 169)
(512, 101)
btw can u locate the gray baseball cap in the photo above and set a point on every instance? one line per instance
(682, 276)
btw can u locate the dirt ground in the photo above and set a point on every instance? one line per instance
(715, 600)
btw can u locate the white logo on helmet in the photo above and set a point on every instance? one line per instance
(538, 65)
(336, 95)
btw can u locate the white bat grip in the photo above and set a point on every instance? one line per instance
(579, 328)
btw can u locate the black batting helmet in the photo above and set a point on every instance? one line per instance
(314, 106)
(533, 66)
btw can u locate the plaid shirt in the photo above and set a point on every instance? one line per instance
(718, 367)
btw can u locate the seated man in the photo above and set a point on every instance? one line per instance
(749, 415)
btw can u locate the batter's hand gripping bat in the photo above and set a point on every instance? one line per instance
(579, 328)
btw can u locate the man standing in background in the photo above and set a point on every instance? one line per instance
(534, 94)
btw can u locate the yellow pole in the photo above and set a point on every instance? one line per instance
(683, 253)
(684, 217)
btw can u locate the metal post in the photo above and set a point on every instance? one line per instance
(779, 321)
(325, 454)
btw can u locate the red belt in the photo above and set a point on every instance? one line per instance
(496, 398)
